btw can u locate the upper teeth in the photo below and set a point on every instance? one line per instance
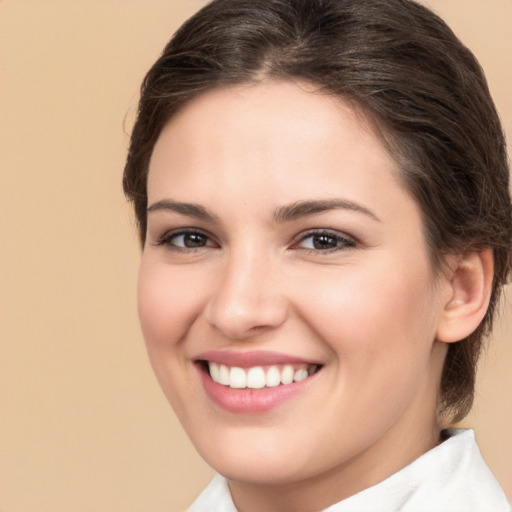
(258, 377)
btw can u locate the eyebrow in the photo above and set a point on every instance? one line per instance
(189, 209)
(305, 208)
(282, 214)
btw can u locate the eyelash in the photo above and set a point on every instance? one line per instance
(168, 238)
(342, 242)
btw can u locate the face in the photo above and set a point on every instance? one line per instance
(285, 291)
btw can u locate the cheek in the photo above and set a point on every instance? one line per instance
(370, 317)
(380, 330)
(168, 302)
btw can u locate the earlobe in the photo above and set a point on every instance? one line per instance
(469, 292)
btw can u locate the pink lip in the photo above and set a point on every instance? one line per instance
(248, 359)
(251, 401)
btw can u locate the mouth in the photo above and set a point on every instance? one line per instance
(254, 382)
(258, 377)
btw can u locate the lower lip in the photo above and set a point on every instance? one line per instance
(251, 401)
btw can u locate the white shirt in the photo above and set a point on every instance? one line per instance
(452, 477)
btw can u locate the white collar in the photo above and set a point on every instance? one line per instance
(452, 477)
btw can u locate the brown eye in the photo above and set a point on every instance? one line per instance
(185, 239)
(325, 241)
(190, 240)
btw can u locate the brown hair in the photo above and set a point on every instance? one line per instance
(408, 72)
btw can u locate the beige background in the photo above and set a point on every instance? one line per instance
(83, 426)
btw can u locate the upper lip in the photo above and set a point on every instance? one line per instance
(250, 359)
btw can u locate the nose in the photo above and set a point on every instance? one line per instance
(247, 299)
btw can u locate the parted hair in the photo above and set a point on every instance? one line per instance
(406, 70)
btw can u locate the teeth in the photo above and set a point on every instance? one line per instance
(287, 374)
(223, 375)
(257, 377)
(300, 375)
(273, 377)
(214, 371)
(237, 378)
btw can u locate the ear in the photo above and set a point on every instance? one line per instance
(469, 279)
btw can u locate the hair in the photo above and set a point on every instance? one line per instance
(406, 70)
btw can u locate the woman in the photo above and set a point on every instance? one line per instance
(321, 188)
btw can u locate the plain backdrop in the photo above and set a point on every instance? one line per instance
(83, 424)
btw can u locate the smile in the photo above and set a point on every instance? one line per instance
(258, 377)
(254, 382)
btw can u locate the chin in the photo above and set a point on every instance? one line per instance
(258, 459)
(259, 471)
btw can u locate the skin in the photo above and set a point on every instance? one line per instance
(370, 309)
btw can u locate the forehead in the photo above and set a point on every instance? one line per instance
(254, 131)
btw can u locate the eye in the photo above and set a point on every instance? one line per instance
(325, 241)
(186, 239)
